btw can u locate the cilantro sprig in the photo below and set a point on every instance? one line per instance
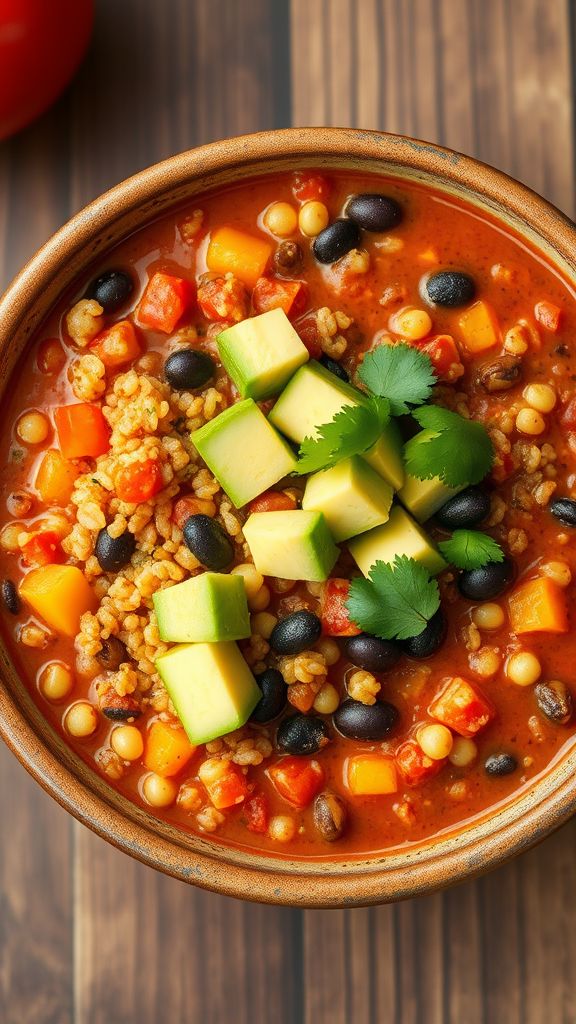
(399, 373)
(471, 549)
(457, 450)
(396, 601)
(353, 430)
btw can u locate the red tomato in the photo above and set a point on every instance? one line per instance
(414, 765)
(165, 300)
(82, 431)
(297, 779)
(333, 610)
(230, 790)
(270, 293)
(307, 330)
(306, 186)
(41, 45)
(462, 706)
(223, 299)
(272, 501)
(257, 814)
(43, 549)
(138, 481)
(548, 315)
(445, 357)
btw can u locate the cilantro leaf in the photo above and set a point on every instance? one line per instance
(397, 600)
(352, 431)
(399, 373)
(470, 549)
(459, 451)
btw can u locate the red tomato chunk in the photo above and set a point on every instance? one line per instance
(462, 706)
(164, 302)
(297, 779)
(333, 610)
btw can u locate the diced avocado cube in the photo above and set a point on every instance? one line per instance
(244, 452)
(424, 497)
(211, 687)
(352, 496)
(206, 608)
(401, 535)
(313, 397)
(295, 545)
(262, 353)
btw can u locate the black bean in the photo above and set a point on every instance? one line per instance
(330, 815)
(302, 734)
(112, 289)
(500, 764)
(372, 653)
(501, 375)
(295, 633)
(359, 721)
(112, 654)
(288, 259)
(465, 509)
(274, 695)
(373, 211)
(208, 541)
(336, 240)
(10, 597)
(564, 510)
(429, 640)
(555, 701)
(113, 553)
(335, 368)
(187, 369)
(488, 582)
(450, 288)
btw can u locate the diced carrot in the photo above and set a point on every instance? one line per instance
(167, 749)
(538, 606)
(60, 594)
(444, 356)
(117, 345)
(462, 706)
(138, 481)
(234, 252)
(297, 779)
(165, 300)
(333, 611)
(82, 431)
(479, 326)
(43, 548)
(223, 298)
(229, 789)
(273, 501)
(548, 315)
(257, 812)
(55, 478)
(270, 293)
(307, 186)
(371, 775)
(414, 765)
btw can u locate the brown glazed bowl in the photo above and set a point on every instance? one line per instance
(473, 847)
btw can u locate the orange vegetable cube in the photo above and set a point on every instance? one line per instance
(234, 252)
(59, 594)
(55, 478)
(414, 765)
(167, 749)
(165, 300)
(226, 784)
(297, 779)
(82, 431)
(43, 548)
(548, 315)
(479, 326)
(117, 345)
(462, 706)
(371, 775)
(538, 606)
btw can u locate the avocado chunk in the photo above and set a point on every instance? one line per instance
(244, 452)
(295, 545)
(352, 496)
(424, 497)
(206, 608)
(211, 687)
(313, 397)
(401, 535)
(261, 354)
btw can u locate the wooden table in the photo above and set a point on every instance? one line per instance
(86, 934)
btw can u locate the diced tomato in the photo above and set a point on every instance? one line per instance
(257, 812)
(568, 417)
(229, 790)
(273, 501)
(297, 779)
(445, 357)
(82, 431)
(117, 345)
(306, 186)
(223, 299)
(462, 706)
(307, 330)
(270, 293)
(139, 481)
(414, 765)
(165, 300)
(43, 548)
(548, 315)
(333, 610)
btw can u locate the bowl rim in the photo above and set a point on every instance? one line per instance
(525, 818)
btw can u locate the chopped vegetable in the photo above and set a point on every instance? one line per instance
(414, 765)
(165, 300)
(538, 606)
(548, 315)
(139, 481)
(462, 706)
(273, 501)
(470, 549)
(395, 601)
(82, 431)
(118, 345)
(333, 611)
(399, 373)
(257, 814)
(59, 594)
(224, 299)
(458, 451)
(372, 775)
(233, 252)
(228, 789)
(297, 779)
(43, 548)
(270, 293)
(480, 328)
(55, 478)
(445, 358)
(307, 186)
(167, 749)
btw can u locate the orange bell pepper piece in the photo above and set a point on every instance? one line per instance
(372, 775)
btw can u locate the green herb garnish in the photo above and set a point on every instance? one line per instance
(459, 451)
(396, 601)
(399, 373)
(471, 549)
(354, 429)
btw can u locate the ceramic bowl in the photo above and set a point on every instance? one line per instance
(505, 831)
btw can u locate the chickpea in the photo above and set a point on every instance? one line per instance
(127, 742)
(488, 616)
(9, 537)
(313, 218)
(436, 741)
(541, 397)
(81, 719)
(19, 504)
(259, 601)
(281, 219)
(56, 681)
(282, 828)
(327, 699)
(51, 356)
(523, 668)
(253, 580)
(413, 324)
(159, 792)
(463, 753)
(531, 422)
(559, 572)
(329, 649)
(262, 624)
(33, 427)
